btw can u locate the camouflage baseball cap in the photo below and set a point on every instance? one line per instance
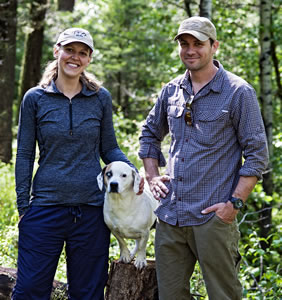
(200, 27)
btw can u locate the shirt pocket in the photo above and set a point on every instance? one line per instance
(175, 120)
(211, 127)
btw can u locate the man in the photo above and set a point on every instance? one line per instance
(214, 120)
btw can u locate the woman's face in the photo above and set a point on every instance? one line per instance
(73, 59)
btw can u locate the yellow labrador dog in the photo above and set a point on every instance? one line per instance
(126, 214)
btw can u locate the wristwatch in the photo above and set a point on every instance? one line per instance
(237, 202)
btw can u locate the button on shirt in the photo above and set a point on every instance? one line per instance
(205, 159)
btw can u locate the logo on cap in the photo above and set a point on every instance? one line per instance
(72, 35)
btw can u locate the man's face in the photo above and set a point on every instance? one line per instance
(195, 54)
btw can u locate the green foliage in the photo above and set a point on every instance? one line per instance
(8, 216)
(135, 45)
(261, 270)
(7, 193)
(127, 132)
(8, 242)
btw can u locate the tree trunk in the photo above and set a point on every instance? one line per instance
(66, 5)
(119, 90)
(206, 8)
(8, 280)
(267, 109)
(31, 72)
(126, 282)
(275, 61)
(8, 17)
(188, 8)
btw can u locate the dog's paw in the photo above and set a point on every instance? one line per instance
(140, 263)
(125, 258)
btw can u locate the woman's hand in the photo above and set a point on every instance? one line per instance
(141, 185)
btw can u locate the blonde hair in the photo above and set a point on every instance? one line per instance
(51, 73)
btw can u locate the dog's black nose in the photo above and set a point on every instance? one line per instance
(113, 187)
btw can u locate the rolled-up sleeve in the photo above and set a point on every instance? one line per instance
(154, 130)
(251, 133)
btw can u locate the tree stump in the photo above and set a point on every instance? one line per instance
(8, 278)
(127, 282)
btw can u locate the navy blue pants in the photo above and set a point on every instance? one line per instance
(43, 230)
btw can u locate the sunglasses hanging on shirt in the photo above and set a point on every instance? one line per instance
(189, 113)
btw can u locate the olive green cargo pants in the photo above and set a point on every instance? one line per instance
(214, 244)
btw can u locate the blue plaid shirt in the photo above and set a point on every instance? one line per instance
(205, 159)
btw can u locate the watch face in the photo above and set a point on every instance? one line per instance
(237, 202)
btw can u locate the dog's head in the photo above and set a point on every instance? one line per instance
(117, 177)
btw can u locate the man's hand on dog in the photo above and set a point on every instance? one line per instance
(141, 186)
(157, 186)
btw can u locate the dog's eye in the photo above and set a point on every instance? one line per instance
(124, 175)
(109, 174)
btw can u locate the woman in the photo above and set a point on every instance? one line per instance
(69, 115)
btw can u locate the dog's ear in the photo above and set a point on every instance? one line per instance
(136, 181)
(100, 179)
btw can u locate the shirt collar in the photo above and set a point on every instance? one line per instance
(184, 82)
(86, 92)
(52, 88)
(215, 84)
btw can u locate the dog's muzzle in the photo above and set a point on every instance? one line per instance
(113, 187)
